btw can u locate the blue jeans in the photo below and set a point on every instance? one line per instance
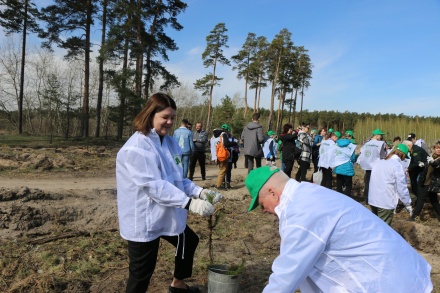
(185, 164)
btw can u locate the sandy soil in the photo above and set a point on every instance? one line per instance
(75, 190)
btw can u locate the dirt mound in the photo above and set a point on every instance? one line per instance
(34, 212)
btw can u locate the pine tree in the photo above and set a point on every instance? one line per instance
(213, 54)
(19, 17)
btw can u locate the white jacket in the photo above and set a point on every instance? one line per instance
(370, 153)
(151, 190)
(325, 153)
(388, 184)
(331, 243)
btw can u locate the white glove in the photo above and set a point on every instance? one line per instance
(271, 158)
(201, 207)
(430, 160)
(210, 195)
(421, 164)
(409, 209)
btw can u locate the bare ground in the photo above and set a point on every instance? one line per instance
(59, 230)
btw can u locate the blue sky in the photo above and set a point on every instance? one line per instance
(369, 56)
(376, 56)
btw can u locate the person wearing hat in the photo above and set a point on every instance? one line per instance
(388, 185)
(331, 243)
(225, 137)
(342, 159)
(325, 152)
(270, 148)
(417, 164)
(350, 135)
(371, 151)
(252, 138)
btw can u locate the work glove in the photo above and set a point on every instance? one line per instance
(210, 195)
(430, 160)
(421, 164)
(201, 207)
(271, 158)
(409, 209)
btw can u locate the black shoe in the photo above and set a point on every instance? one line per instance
(187, 290)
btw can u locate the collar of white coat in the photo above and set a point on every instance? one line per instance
(286, 196)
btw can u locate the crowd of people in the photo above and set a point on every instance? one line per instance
(329, 242)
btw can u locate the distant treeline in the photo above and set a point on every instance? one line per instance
(68, 124)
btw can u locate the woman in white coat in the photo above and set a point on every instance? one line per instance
(154, 198)
(388, 185)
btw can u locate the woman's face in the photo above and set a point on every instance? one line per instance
(164, 120)
(437, 150)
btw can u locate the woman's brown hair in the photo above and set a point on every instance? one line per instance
(157, 102)
(286, 128)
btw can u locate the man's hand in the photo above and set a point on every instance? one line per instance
(409, 209)
(271, 158)
(421, 164)
(210, 195)
(201, 207)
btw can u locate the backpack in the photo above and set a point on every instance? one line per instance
(220, 150)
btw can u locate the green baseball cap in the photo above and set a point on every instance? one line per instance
(330, 130)
(270, 132)
(255, 181)
(337, 133)
(378, 131)
(226, 126)
(403, 148)
(349, 132)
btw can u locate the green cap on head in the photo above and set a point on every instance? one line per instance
(270, 132)
(315, 131)
(226, 127)
(349, 132)
(404, 149)
(337, 134)
(330, 130)
(378, 131)
(255, 181)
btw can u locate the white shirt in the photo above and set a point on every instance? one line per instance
(331, 243)
(151, 190)
(388, 184)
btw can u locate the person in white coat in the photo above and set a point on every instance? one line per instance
(153, 197)
(388, 185)
(331, 243)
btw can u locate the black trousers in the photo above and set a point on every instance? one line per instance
(413, 175)
(327, 177)
(423, 193)
(143, 256)
(197, 157)
(250, 162)
(288, 166)
(302, 171)
(343, 180)
(366, 184)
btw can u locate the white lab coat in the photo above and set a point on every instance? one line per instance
(331, 243)
(151, 190)
(388, 184)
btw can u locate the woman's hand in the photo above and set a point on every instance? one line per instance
(201, 207)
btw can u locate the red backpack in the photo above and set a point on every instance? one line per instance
(220, 150)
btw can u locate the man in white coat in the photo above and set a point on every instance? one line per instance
(331, 243)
